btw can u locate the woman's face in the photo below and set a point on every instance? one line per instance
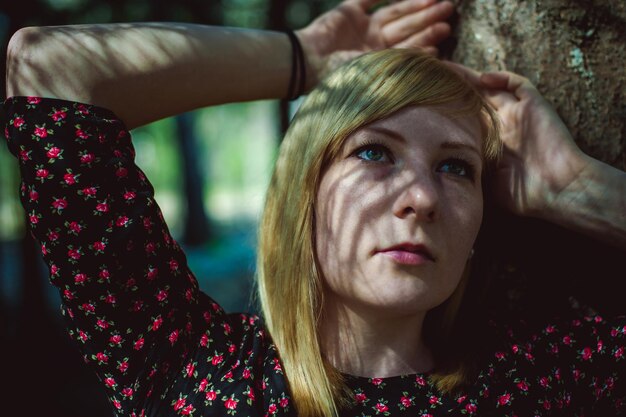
(398, 210)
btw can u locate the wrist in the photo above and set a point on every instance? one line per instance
(313, 60)
(562, 193)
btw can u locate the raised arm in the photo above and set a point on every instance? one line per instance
(147, 71)
(543, 173)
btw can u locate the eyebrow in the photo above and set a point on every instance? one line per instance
(392, 134)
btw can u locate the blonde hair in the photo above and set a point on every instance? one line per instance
(366, 89)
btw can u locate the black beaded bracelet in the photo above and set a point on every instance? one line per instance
(297, 82)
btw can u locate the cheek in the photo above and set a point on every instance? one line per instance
(346, 203)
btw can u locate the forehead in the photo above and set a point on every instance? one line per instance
(434, 125)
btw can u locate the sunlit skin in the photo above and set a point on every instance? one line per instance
(413, 177)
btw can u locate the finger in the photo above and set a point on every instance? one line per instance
(499, 99)
(398, 9)
(427, 38)
(470, 75)
(520, 86)
(364, 4)
(406, 26)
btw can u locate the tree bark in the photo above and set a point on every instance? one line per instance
(573, 51)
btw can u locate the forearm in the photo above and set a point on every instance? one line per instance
(594, 204)
(147, 71)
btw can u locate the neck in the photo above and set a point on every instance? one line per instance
(360, 341)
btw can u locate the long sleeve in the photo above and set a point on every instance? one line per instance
(158, 344)
(128, 296)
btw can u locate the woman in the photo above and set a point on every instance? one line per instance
(369, 225)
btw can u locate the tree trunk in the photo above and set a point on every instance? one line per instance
(574, 52)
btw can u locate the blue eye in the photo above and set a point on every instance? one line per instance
(458, 167)
(373, 153)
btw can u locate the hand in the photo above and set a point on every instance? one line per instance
(349, 30)
(540, 158)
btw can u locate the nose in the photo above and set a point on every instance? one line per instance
(418, 197)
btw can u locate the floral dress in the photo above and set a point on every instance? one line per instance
(161, 347)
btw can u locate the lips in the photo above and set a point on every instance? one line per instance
(409, 253)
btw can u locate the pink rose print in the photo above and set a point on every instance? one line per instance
(231, 403)
(161, 295)
(33, 195)
(59, 115)
(377, 381)
(102, 207)
(87, 158)
(190, 369)
(18, 122)
(80, 279)
(103, 324)
(82, 109)
(586, 353)
(471, 408)
(381, 408)
(42, 173)
(101, 357)
(251, 394)
(81, 134)
(180, 403)
(157, 323)
(406, 401)
(122, 366)
(74, 227)
(504, 399)
(33, 100)
(211, 395)
(59, 203)
(69, 178)
(272, 408)
(283, 402)
(217, 359)
(110, 382)
(121, 172)
(139, 343)
(25, 155)
(360, 397)
(99, 246)
(522, 385)
(173, 337)
(41, 132)
(122, 221)
(115, 339)
(53, 152)
(89, 191)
